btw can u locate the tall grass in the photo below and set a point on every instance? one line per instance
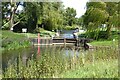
(53, 63)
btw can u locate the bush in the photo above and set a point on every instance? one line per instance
(43, 32)
(38, 30)
(69, 27)
(82, 36)
(102, 35)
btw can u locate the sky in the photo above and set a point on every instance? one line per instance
(78, 5)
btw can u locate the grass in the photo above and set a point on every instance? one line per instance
(101, 63)
(44, 33)
(11, 40)
(30, 35)
(105, 43)
(0, 76)
(100, 69)
(52, 63)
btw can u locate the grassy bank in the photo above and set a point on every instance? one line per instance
(110, 43)
(53, 63)
(11, 40)
(44, 33)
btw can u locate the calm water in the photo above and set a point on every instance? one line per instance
(9, 57)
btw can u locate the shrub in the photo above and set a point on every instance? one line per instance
(102, 35)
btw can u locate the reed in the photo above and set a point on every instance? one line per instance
(53, 63)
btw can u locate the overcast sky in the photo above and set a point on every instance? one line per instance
(79, 5)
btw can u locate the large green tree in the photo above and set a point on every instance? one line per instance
(112, 21)
(52, 15)
(46, 13)
(69, 16)
(99, 13)
(31, 11)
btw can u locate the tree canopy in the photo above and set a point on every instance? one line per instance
(99, 13)
(53, 15)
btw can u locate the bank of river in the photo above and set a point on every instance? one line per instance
(11, 40)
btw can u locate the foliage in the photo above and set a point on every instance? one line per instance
(48, 14)
(100, 5)
(32, 10)
(44, 14)
(79, 21)
(70, 27)
(11, 16)
(99, 13)
(102, 35)
(69, 16)
(105, 43)
(100, 69)
(44, 32)
(12, 40)
(52, 16)
(55, 64)
(95, 17)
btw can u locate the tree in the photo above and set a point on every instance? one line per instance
(31, 10)
(48, 14)
(79, 21)
(99, 13)
(9, 12)
(95, 16)
(112, 9)
(52, 15)
(69, 15)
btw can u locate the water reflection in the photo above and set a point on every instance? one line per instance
(35, 52)
(38, 51)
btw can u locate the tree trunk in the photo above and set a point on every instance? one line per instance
(12, 13)
(11, 16)
(11, 20)
(108, 31)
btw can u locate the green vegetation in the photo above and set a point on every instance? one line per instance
(50, 16)
(100, 69)
(100, 15)
(105, 43)
(44, 32)
(100, 63)
(0, 76)
(44, 17)
(101, 35)
(70, 27)
(11, 40)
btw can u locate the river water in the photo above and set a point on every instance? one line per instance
(8, 57)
